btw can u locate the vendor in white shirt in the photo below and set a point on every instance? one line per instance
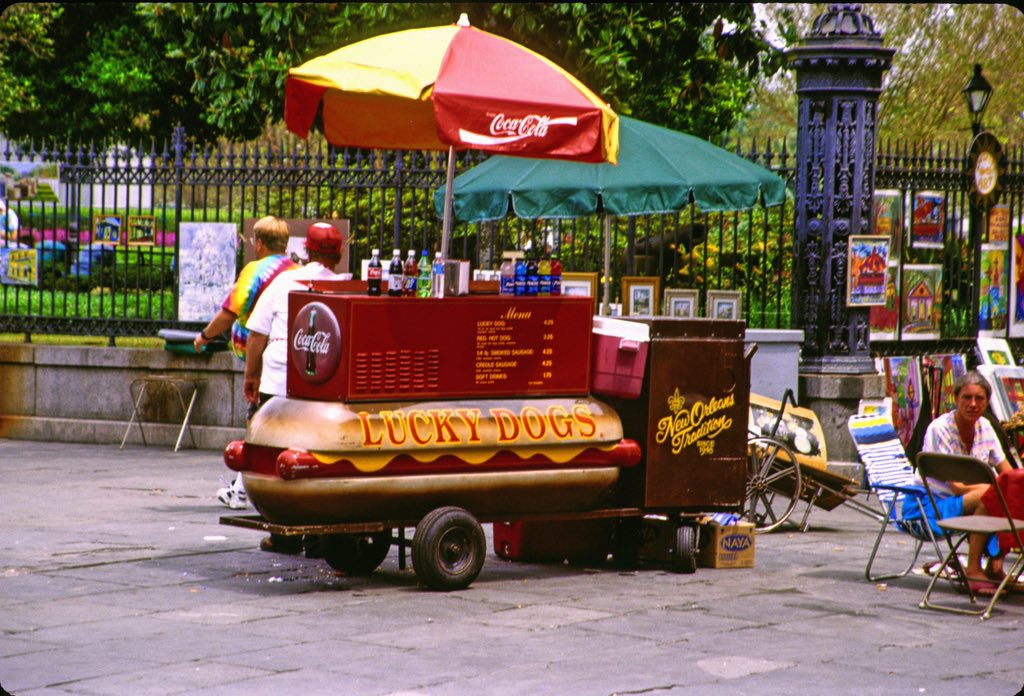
(266, 352)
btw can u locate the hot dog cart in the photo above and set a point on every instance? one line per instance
(440, 414)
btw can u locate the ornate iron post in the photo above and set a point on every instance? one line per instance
(839, 68)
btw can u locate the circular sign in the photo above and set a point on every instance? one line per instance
(986, 165)
(315, 343)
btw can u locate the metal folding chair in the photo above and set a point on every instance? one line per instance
(890, 476)
(968, 470)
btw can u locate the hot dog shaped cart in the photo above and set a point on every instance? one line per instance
(440, 414)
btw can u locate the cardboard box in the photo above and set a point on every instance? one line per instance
(727, 547)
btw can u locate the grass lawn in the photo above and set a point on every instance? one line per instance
(60, 340)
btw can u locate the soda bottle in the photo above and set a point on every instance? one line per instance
(532, 276)
(410, 274)
(396, 277)
(423, 283)
(437, 276)
(520, 276)
(556, 276)
(373, 274)
(544, 276)
(508, 277)
(310, 355)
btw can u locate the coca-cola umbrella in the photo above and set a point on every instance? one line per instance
(450, 88)
(659, 171)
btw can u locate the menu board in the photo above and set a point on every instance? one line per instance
(407, 348)
(515, 351)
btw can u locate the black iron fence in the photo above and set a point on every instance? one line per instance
(83, 285)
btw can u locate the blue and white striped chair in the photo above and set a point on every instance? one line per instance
(890, 476)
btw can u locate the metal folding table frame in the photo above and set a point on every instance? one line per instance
(180, 385)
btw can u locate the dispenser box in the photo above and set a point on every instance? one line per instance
(619, 349)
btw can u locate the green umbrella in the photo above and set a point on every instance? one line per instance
(659, 171)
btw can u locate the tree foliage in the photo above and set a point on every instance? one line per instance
(125, 70)
(936, 46)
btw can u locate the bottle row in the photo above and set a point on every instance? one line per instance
(411, 279)
(520, 276)
(531, 276)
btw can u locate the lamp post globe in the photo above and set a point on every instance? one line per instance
(977, 92)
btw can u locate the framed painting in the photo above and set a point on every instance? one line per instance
(865, 279)
(887, 218)
(883, 319)
(640, 295)
(580, 285)
(208, 252)
(999, 223)
(992, 283)
(799, 428)
(19, 266)
(928, 220)
(995, 351)
(141, 230)
(1016, 314)
(940, 372)
(681, 304)
(725, 304)
(106, 229)
(903, 386)
(1007, 389)
(921, 302)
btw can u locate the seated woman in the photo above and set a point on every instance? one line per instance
(964, 431)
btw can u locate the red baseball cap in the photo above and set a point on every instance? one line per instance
(323, 238)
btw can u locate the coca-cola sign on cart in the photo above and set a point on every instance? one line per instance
(315, 343)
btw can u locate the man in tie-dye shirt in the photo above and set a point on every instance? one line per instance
(270, 239)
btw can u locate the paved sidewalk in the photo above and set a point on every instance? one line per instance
(116, 578)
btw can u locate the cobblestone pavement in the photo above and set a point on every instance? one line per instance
(117, 578)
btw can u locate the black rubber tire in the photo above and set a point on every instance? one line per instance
(355, 554)
(448, 549)
(684, 554)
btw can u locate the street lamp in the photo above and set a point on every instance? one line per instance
(977, 92)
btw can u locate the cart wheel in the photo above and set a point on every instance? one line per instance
(684, 554)
(773, 483)
(448, 549)
(355, 554)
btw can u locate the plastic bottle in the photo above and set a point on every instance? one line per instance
(373, 274)
(437, 276)
(423, 282)
(532, 277)
(556, 276)
(519, 277)
(508, 277)
(396, 275)
(544, 276)
(410, 274)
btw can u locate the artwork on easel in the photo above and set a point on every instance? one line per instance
(1007, 389)
(207, 268)
(921, 302)
(883, 319)
(903, 386)
(992, 304)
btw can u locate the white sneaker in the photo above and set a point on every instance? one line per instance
(234, 496)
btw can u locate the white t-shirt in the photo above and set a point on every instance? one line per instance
(270, 318)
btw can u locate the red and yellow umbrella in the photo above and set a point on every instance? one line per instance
(452, 87)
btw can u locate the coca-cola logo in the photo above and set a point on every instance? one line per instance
(315, 347)
(509, 129)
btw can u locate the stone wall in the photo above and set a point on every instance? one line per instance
(81, 394)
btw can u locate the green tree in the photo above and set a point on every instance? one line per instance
(23, 28)
(936, 46)
(125, 70)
